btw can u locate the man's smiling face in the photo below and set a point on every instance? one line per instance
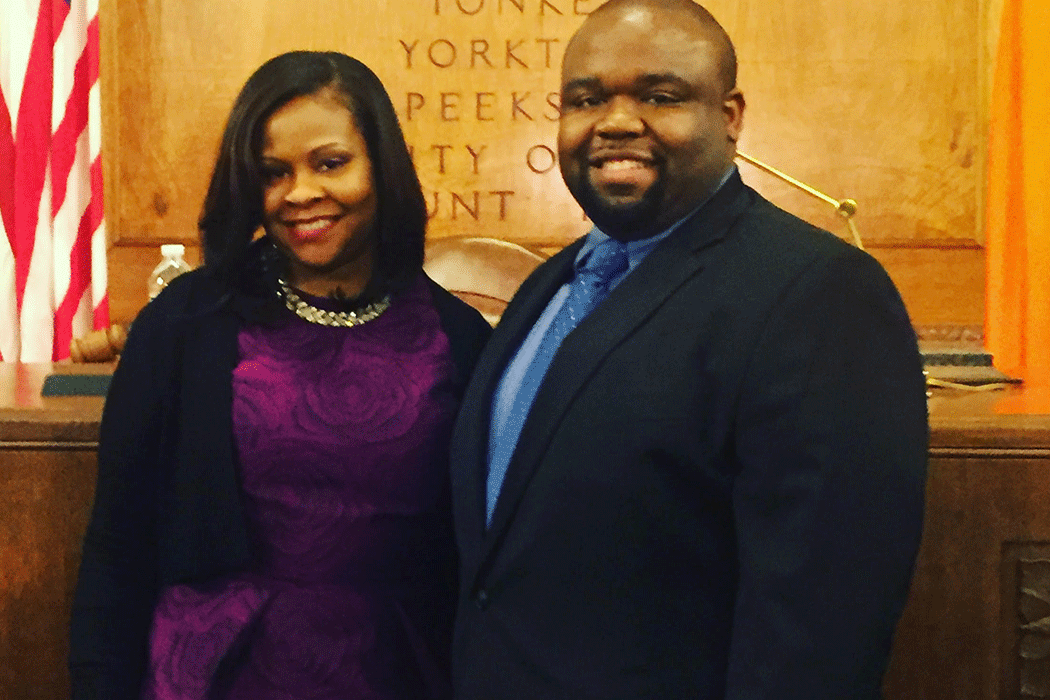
(648, 127)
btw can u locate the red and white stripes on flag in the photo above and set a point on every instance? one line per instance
(53, 242)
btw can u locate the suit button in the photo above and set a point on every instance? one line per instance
(481, 599)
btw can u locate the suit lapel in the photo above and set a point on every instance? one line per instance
(470, 444)
(627, 307)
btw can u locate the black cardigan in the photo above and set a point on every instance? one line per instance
(167, 506)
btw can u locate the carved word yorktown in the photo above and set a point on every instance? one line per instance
(481, 53)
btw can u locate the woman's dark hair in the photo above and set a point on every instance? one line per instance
(233, 208)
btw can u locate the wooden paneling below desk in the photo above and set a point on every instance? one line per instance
(983, 571)
(47, 478)
(984, 566)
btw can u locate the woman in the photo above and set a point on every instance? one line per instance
(271, 518)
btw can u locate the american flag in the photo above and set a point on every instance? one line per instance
(53, 242)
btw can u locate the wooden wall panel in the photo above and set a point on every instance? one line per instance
(940, 286)
(882, 102)
(875, 101)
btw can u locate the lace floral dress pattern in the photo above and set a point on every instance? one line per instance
(342, 437)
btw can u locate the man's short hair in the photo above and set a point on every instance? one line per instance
(714, 31)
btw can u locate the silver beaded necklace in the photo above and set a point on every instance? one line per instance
(323, 317)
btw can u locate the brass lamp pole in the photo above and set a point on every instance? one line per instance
(845, 208)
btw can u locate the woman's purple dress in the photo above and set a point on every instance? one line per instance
(342, 436)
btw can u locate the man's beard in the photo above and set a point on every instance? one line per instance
(630, 221)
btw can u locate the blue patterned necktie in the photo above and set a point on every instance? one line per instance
(588, 287)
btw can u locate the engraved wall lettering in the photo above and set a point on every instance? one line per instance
(502, 194)
(443, 156)
(487, 106)
(540, 7)
(413, 102)
(409, 48)
(547, 50)
(516, 108)
(475, 155)
(476, 205)
(483, 103)
(479, 48)
(477, 8)
(473, 130)
(554, 101)
(544, 4)
(457, 199)
(541, 159)
(442, 53)
(480, 53)
(450, 106)
(511, 48)
(441, 148)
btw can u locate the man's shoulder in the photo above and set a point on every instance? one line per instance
(766, 216)
(771, 232)
(767, 250)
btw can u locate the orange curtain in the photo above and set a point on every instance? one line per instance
(1017, 317)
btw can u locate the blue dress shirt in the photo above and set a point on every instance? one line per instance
(505, 398)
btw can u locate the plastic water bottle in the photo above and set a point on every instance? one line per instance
(171, 266)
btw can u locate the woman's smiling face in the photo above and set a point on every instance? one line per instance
(319, 195)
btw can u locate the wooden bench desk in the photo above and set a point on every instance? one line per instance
(983, 571)
(47, 479)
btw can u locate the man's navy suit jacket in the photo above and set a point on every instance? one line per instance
(718, 492)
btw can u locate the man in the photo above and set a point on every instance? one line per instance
(710, 484)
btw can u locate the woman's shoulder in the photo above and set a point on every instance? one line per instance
(186, 293)
(189, 305)
(466, 328)
(195, 286)
(455, 313)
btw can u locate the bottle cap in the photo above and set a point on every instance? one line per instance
(172, 250)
